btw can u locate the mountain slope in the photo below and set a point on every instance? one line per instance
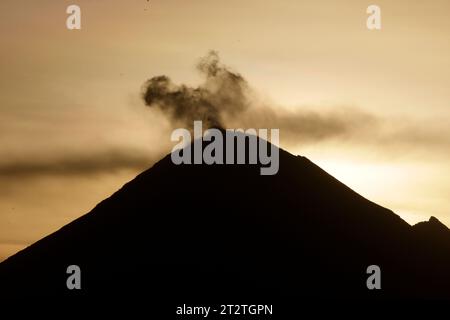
(210, 230)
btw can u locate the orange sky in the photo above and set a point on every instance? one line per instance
(70, 99)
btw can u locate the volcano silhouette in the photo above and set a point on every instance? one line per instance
(210, 230)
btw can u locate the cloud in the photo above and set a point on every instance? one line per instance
(309, 126)
(225, 99)
(107, 161)
(223, 93)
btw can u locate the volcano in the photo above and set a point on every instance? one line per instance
(206, 231)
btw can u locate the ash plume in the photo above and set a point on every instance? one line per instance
(222, 94)
(225, 99)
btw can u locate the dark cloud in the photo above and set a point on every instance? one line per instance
(105, 162)
(222, 94)
(308, 126)
(225, 100)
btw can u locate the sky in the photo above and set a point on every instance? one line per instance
(74, 128)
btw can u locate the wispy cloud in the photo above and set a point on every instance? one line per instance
(108, 161)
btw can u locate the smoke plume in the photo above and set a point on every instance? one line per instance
(225, 100)
(222, 94)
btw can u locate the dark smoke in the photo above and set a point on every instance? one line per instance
(222, 94)
(75, 164)
(225, 100)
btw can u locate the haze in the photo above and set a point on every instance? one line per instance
(73, 126)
